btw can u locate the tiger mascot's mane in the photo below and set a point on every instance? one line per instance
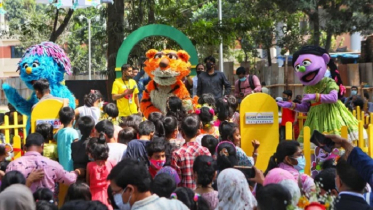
(166, 69)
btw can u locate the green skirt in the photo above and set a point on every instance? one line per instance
(329, 118)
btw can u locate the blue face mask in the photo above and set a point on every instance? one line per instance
(353, 92)
(301, 164)
(327, 74)
(118, 199)
(243, 79)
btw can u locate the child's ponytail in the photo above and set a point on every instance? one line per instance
(337, 77)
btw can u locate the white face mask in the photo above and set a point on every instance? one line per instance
(118, 199)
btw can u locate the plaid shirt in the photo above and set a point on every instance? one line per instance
(183, 159)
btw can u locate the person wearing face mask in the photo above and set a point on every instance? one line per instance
(125, 92)
(130, 182)
(289, 156)
(211, 81)
(194, 81)
(348, 102)
(157, 156)
(246, 84)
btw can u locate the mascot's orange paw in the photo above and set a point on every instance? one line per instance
(166, 69)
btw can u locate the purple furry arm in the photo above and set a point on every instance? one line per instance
(22, 105)
(330, 98)
(303, 107)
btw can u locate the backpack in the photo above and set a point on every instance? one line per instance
(251, 83)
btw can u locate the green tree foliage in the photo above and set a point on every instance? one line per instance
(334, 17)
(33, 23)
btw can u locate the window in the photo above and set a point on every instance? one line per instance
(16, 52)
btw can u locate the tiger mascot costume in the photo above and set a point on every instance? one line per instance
(166, 69)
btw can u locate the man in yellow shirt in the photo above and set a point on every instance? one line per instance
(125, 93)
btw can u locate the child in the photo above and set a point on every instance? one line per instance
(43, 194)
(78, 148)
(163, 185)
(50, 146)
(210, 142)
(229, 132)
(111, 113)
(157, 156)
(204, 171)
(137, 148)
(157, 119)
(175, 108)
(206, 115)
(170, 125)
(326, 181)
(226, 155)
(183, 158)
(126, 135)
(226, 110)
(116, 150)
(192, 200)
(78, 191)
(99, 169)
(65, 137)
(45, 205)
(92, 104)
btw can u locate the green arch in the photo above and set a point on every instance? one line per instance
(155, 30)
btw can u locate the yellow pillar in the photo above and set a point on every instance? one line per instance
(300, 120)
(370, 140)
(17, 147)
(289, 131)
(307, 149)
(344, 132)
(6, 129)
(254, 107)
(358, 116)
(361, 142)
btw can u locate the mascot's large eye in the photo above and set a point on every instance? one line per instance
(172, 56)
(306, 63)
(156, 56)
(35, 64)
(297, 67)
(25, 65)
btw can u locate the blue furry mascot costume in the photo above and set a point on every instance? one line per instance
(42, 61)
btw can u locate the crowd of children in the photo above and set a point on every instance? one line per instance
(171, 161)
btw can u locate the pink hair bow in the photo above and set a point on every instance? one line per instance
(342, 89)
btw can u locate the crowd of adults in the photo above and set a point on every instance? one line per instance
(106, 156)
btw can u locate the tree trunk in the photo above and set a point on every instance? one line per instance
(56, 33)
(269, 56)
(328, 42)
(115, 33)
(151, 13)
(314, 19)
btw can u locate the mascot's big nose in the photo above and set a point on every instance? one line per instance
(164, 63)
(28, 70)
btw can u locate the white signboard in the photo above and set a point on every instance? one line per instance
(259, 117)
(54, 122)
